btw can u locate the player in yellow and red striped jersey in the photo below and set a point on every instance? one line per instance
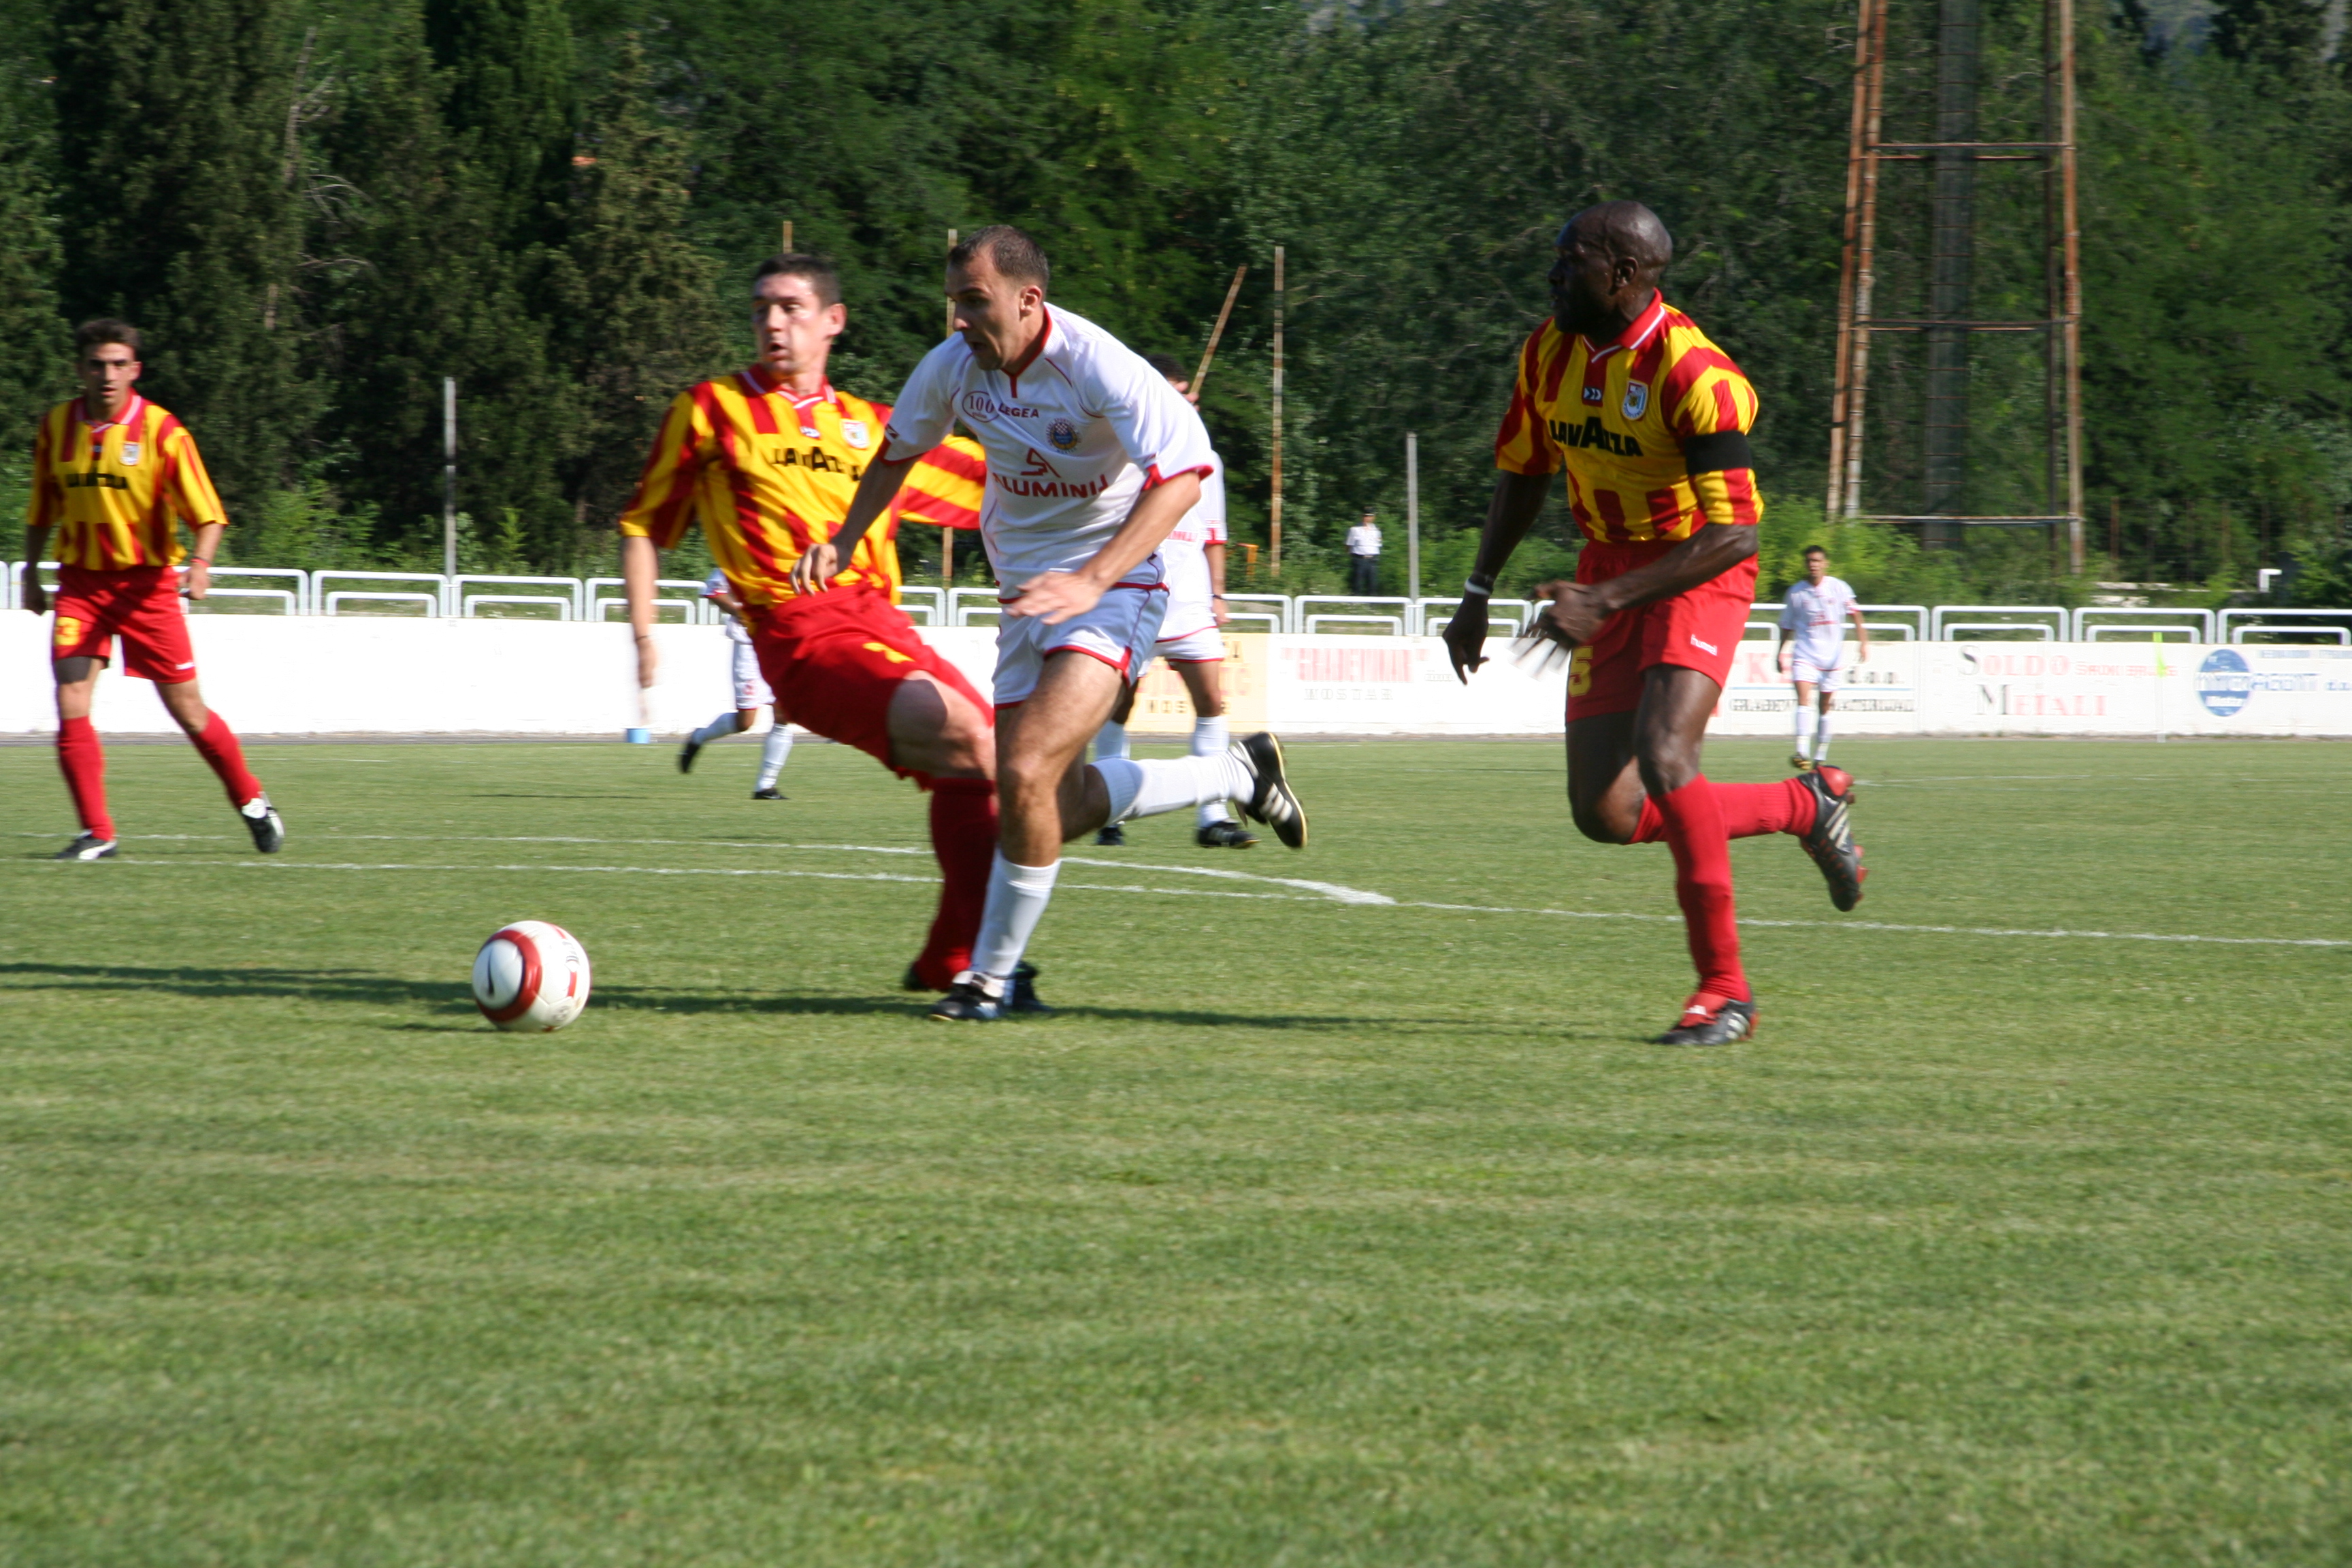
(113, 477)
(1650, 421)
(766, 459)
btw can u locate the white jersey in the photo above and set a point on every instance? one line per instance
(1073, 437)
(717, 583)
(1817, 617)
(1189, 588)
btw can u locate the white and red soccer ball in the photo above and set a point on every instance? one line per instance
(531, 976)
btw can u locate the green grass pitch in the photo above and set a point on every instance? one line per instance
(1315, 1230)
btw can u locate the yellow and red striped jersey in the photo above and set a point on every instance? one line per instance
(1618, 417)
(111, 489)
(944, 488)
(767, 473)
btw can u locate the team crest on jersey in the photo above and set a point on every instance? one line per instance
(1063, 434)
(131, 454)
(1637, 400)
(854, 432)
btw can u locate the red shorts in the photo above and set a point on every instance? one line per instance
(141, 606)
(1698, 629)
(836, 659)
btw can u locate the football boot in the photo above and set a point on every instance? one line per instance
(1225, 835)
(769, 792)
(88, 847)
(1272, 801)
(1831, 842)
(1712, 1021)
(1801, 762)
(686, 753)
(969, 1001)
(1111, 838)
(1021, 996)
(261, 820)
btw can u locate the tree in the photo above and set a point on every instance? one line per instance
(33, 344)
(510, 105)
(640, 317)
(177, 130)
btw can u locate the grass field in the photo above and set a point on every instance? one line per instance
(1314, 1230)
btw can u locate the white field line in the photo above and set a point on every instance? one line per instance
(2056, 934)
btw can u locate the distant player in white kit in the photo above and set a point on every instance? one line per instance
(1191, 639)
(1093, 459)
(1813, 656)
(751, 694)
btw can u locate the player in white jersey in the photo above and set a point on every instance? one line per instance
(1813, 654)
(751, 694)
(1092, 460)
(1191, 639)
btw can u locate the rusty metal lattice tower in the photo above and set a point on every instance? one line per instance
(1950, 324)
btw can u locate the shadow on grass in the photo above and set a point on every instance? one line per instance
(451, 996)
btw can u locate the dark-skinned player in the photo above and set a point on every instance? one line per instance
(1650, 421)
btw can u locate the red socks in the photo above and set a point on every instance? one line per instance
(218, 744)
(1694, 820)
(1748, 810)
(964, 836)
(83, 761)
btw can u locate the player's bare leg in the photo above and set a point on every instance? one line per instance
(1048, 793)
(81, 759)
(1802, 757)
(218, 745)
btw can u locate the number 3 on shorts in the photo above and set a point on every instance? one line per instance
(1579, 672)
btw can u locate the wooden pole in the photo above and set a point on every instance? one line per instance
(2074, 264)
(1865, 276)
(1841, 358)
(1209, 354)
(947, 535)
(788, 237)
(1273, 510)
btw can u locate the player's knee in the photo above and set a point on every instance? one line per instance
(1667, 770)
(1597, 822)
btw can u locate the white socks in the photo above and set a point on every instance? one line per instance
(1017, 897)
(1209, 741)
(773, 755)
(1111, 743)
(1805, 717)
(1822, 746)
(719, 729)
(1148, 789)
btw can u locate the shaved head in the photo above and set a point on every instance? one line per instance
(1605, 267)
(1626, 231)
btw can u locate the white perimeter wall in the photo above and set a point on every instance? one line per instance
(271, 675)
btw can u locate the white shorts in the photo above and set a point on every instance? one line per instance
(751, 686)
(1119, 631)
(1188, 635)
(1806, 668)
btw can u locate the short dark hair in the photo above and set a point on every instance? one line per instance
(1010, 250)
(824, 277)
(1170, 367)
(1812, 550)
(105, 330)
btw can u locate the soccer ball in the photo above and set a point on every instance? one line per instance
(531, 976)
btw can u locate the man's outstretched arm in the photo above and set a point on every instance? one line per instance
(1517, 500)
(877, 489)
(1058, 595)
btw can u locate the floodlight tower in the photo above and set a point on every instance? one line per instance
(1951, 279)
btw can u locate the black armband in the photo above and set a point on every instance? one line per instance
(1714, 454)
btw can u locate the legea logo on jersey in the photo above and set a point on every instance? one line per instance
(979, 406)
(1063, 434)
(2224, 682)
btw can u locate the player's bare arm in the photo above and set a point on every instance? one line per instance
(1511, 512)
(199, 580)
(1576, 609)
(1214, 555)
(640, 566)
(37, 545)
(813, 572)
(1861, 635)
(1058, 595)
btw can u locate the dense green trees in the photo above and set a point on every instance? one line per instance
(319, 213)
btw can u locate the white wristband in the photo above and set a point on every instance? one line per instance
(1477, 589)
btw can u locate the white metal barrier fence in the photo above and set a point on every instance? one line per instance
(290, 591)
